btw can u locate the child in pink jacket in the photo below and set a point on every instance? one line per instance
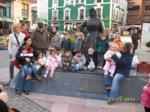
(110, 65)
(145, 98)
(53, 61)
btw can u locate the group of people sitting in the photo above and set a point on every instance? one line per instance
(51, 51)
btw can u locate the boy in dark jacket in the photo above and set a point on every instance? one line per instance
(66, 60)
(101, 48)
(65, 44)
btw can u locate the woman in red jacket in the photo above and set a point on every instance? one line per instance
(145, 98)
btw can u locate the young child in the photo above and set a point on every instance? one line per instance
(110, 65)
(27, 61)
(90, 59)
(66, 44)
(117, 41)
(78, 44)
(25, 54)
(40, 62)
(66, 60)
(145, 98)
(78, 61)
(53, 61)
(101, 48)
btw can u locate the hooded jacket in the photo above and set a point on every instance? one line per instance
(39, 39)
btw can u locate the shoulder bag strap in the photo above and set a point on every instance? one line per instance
(17, 39)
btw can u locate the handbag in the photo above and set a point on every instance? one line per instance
(16, 62)
(135, 61)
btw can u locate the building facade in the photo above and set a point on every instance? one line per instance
(42, 14)
(69, 14)
(138, 12)
(23, 11)
(5, 16)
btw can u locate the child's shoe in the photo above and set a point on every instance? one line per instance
(28, 77)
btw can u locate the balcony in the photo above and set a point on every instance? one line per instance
(25, 13)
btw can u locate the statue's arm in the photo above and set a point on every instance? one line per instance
(101, 29)
(83, 28)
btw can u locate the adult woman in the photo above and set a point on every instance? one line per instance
(55, 39)
(14, 42)
(27, 67)
(123, 65)
(24, 28)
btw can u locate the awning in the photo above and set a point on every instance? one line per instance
(2, 4)
(6, 19)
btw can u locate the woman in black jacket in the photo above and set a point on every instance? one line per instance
(123, 66)
(26, 61)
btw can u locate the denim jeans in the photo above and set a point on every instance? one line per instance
(22, 84)
(116, 85)
(108, 80)
(30, 69)
(77, 66)
(11, 70)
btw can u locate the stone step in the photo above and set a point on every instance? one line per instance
(87, 86)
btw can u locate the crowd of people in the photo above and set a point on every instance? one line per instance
(40, 54)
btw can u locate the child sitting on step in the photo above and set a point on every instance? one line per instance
(78, 61)
(53, 61)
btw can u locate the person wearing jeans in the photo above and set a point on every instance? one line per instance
(22, 85)
(123, 66)
(13, 46)
(115, 85)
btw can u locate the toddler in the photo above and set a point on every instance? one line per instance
(53, 61)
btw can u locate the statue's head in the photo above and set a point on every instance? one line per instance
(92, 12)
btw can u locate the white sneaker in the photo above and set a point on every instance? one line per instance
(45, 76)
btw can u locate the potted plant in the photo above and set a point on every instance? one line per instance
(148, 44)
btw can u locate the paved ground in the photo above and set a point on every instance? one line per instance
(22, 103)
(65, 104)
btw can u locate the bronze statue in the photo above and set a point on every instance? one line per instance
(92, 27)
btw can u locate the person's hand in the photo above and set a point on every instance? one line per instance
(28, 60)
(10, 56)
(145, 87)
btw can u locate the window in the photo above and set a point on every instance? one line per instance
(81, 16)
(55, 1)
(147, 8)
(133, 18)
(66, 14)
(98, 12)
(134, 8)
(98, 1)
(82, 1)
(77, 1)
(55, 15)
(72, 1)
(25, 10)
(146, 18)
(67, 2)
